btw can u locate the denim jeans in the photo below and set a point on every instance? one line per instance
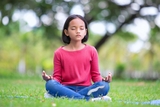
(77, 92)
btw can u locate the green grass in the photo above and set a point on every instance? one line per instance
(25, 91)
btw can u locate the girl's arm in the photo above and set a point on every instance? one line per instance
(57, 75)
(95, 73)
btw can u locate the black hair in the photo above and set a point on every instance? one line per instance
(65, 38)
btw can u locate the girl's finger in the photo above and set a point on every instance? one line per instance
(106, 78)
(109, 77)
(50, 76)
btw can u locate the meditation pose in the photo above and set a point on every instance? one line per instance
(76, 72)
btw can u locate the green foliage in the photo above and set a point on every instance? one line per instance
(92, 37)
(119, 70)
(47, 64)
(157, 66)
(127, 36)
(29, 47)
(135, 63)
(6, 31)
(36, 47)
(154, 35)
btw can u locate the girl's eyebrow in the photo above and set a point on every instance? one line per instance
(76, 26)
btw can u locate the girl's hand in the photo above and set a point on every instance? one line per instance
(46, 77)
(108, 78)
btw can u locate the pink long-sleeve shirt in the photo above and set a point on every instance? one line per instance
(78, 68)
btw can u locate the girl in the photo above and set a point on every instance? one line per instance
(76, 72)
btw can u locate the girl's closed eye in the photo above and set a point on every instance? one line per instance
(82, 28)
(73, 28)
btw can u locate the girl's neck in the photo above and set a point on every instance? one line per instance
(74, 46)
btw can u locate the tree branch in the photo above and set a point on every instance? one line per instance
(107, 36)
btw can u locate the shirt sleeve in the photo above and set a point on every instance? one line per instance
(95, 74)
(57, 72)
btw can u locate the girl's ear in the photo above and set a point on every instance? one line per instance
(66, 32)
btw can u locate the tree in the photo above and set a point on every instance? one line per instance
(117, 13)
(49, 15)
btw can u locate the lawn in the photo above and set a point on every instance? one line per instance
(25, 91)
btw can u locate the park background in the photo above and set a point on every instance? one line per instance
(126, 34)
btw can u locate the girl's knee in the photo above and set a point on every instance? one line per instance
(106, 87)
(51, 83)
(105, 84)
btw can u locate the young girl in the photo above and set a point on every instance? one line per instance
(76, 72)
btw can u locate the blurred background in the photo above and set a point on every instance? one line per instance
(126, 34)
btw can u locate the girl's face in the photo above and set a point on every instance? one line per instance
(76, 30)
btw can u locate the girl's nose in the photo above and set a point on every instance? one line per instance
(78, 30)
